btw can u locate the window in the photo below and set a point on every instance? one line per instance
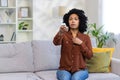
(111, 15)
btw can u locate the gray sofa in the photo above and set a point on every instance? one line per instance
(39, 60)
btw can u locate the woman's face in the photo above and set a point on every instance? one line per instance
(73, 21)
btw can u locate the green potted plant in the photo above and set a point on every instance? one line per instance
(23, 26)
(100, 36)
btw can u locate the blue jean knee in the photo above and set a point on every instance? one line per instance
(63, 75)
(80, 75)
(66, 75)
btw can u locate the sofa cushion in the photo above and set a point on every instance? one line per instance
(47, 75)
(46, 55)
(16, 57)
(103, 76)
(51, 75)
(100, 62)
(104, 50)
(19, 76)
(93, 42)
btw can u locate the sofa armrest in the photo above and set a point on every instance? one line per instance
(115, 66)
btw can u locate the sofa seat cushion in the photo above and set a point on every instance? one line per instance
(19, 76)
(51, 75)
(103, 76)
(47, 75)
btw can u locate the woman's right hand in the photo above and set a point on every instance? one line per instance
(63, 29)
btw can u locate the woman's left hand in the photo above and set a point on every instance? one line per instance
(77, 41)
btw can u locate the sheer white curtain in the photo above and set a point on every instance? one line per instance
(111, 15)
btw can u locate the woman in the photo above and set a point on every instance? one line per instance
(75, 46)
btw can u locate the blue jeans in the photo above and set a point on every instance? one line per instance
(66, 75)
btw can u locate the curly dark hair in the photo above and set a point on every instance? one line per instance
(82, 19)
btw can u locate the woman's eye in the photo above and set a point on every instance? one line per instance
(76, 18)
(70, 19)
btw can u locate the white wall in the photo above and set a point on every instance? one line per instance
(46, 24)
(94, 11)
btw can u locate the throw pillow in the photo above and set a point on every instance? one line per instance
(103, 50)
(100, 62)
